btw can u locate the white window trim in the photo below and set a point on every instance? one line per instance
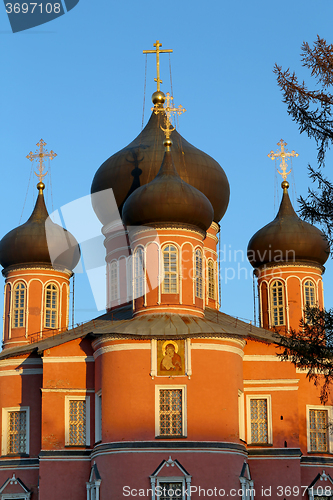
(5, 412)
(177, 267)
(57, 308)
(241, 415)
(98, 416)
(12, 496)
(19, 308)
(157, 409)
(329, 409)
(269, 417)
(77, 398)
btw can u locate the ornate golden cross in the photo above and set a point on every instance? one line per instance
(157, 52)
(169, 110)
(40, 155)
(284, 155)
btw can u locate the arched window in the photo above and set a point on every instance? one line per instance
(139, 273)
(51, 306)
(211, 280)
(170, 269)
(309, 293)
(198, 273)
(19, 301)
(277, 303)
(113, 281)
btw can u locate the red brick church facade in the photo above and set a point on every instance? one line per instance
(164, 396)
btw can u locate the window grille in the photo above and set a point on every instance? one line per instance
(51, 306)
(211, 280)
(318, 430)
(277, 306)
(17, 432)
(19, 300)
(77, 422)
(170, 491)
(171, 423)
(259, 423)
(198, 274)
(170, 278)
(138, 273)
(114, 281)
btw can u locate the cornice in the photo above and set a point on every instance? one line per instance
(260, 269)
(36, 267)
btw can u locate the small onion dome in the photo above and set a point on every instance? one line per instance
(139, 162)
(39, 241)
(287, 239)
(168, 199)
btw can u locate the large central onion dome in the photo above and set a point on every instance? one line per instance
(287, 238)
(139, 162)
(39, 241)
(168, 199)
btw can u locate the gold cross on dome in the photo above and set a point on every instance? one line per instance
(169, 110)
(40, 155)
(157, 51)
(284, 156)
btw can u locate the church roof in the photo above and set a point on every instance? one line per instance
(166, 325)
(138, 164)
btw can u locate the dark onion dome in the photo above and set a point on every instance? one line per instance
(38, 239)
(287, 238)
(138, 163)
(168, 199)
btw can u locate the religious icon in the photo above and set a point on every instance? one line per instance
(170, 357)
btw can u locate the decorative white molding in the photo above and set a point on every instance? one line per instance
(153, 359)
(22, 371)
(68, 359)
(64, 389)
(20, 361)
(272, 381)
(218, 347)
(262, 357)
(121, 347)
(272, 389)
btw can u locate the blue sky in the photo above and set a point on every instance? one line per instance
(78, 83)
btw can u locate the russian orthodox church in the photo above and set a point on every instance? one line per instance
(164, 396)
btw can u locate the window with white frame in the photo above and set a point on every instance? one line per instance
(309, 293)
(259, 420)
(198, 273)
(15, 431)
(318, 422)
(114, 281)
(77, 421)
(170, 269)
(139, 273)
(211, 280)
(19, 305)
(51, 306)
(98, 416)
(170, 411)
(277, 303)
